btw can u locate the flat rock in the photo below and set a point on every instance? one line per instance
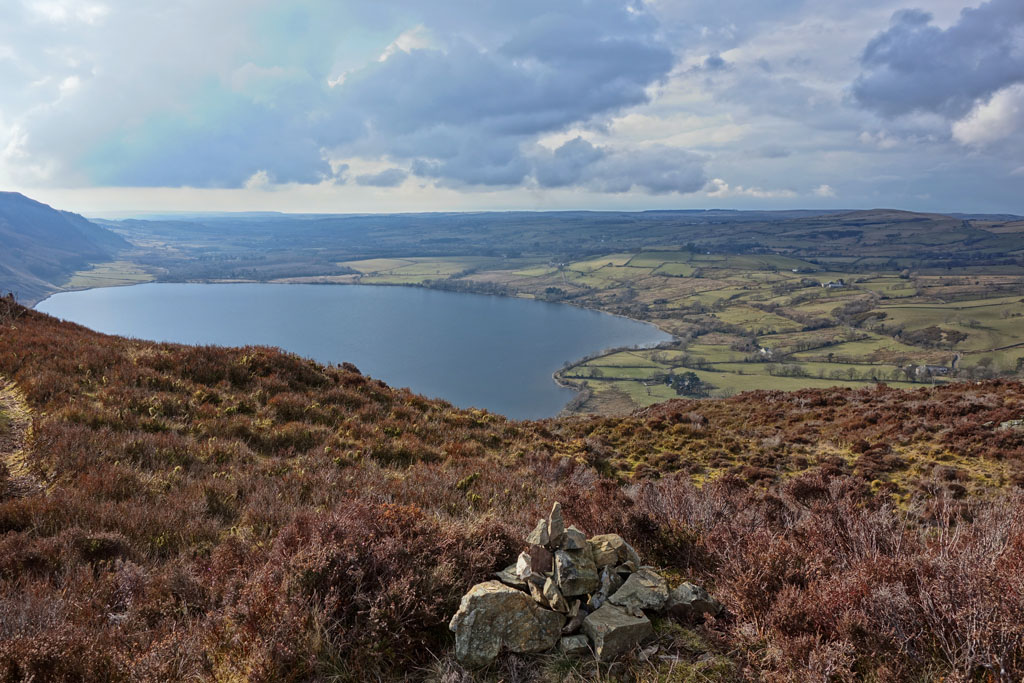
(509, 576)
(575, 572)
(612, 549)
(688, 601)
(574, 646)
(614, 632)
(644, 589)
(493, 615)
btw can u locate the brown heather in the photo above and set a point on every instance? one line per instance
(244, 514)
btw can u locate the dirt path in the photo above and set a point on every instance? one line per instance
(15, 428)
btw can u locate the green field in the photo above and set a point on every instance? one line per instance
(759, 321)
(112, 274)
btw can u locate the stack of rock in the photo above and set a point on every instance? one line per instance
(582, 595)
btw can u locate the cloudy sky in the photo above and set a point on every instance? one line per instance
(405, 105)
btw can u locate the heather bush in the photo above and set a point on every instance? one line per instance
(206, 513)
(381, 580)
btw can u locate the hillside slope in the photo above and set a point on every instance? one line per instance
(42, 247)
(246, 242)
(244, 514)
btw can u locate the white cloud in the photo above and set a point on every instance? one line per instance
(992, 121)
(64, 11)
(260, 180)
(824, 191)
(719, 189)
(880, 139)
(417, 38)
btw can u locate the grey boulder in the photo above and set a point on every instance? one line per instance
(493, 615)
(574, 646)
(539, 535)
(575, 572)
(613, 631)
(574, 539)
(688, 601)
(508, 575)
(644, 589)
(612, 549)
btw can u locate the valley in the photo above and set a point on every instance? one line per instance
(756, 300)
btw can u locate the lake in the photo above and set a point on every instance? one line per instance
(478, 351)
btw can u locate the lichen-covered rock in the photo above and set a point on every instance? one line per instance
(556, 527)
(509, 576)
(574, 539)
(574, 646)
(644, 589)
(539, 535)
(493, 615)
(611, 581)
(687, 601)
(612, 549)
(613, 631)
(554, 597)
(535, 585)
(576, 616)
(575, 572)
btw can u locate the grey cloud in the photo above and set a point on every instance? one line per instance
(390, 177)
(917, 66)
(496, 77)
(772, 152)
(657, 170)
(556, 69)
(714, 62)
(463, 114)
(483, 164)
(567, 164)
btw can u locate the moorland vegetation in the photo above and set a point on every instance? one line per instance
(171, 512)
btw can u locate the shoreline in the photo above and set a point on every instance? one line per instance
(555, 375)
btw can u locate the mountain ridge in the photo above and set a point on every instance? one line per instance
(44, 246)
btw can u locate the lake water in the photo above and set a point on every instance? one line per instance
(475, 351)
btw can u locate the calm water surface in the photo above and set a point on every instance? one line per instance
(475, 351)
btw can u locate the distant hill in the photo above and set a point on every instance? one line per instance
(267, 247)
(42, 247)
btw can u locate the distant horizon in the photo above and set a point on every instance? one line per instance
(180, 214)
(144, 213)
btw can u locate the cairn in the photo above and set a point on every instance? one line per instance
(580, 595)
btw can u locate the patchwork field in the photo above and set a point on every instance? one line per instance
(748, 322)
